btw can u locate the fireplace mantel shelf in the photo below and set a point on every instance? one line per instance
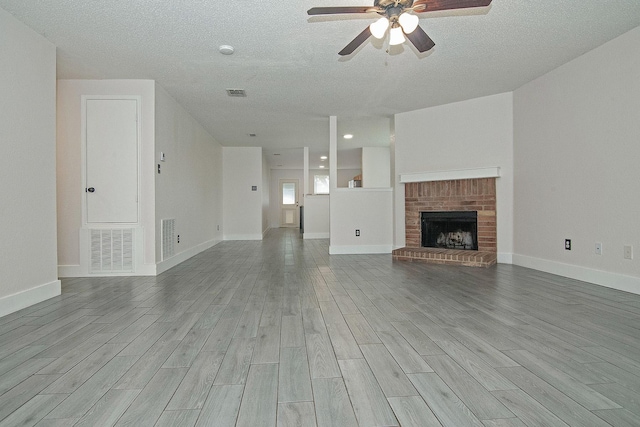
(493, 172)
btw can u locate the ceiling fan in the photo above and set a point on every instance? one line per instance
(396, 18)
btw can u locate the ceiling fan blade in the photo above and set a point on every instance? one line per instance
(420, 39)
(421, 6)
(337, 10)
(360, 38)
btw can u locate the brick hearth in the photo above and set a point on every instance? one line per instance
(446, 256)
(454, 195)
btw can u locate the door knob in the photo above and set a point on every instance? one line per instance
(91, 189)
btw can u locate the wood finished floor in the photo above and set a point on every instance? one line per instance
(277, 333)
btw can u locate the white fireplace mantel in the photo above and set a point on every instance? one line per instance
(493, 172)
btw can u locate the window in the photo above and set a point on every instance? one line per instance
(288, 193)
(321, 184)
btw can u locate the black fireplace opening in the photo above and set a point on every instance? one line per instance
(450, 230)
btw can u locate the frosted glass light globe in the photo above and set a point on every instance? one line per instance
(379, 28)
(396, 36)
(408, 22)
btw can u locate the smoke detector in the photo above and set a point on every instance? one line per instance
(225, 49)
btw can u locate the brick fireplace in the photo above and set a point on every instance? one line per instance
(477, 194)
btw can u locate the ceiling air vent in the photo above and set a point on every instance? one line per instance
(237, 93)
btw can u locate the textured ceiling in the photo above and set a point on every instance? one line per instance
(288, 62)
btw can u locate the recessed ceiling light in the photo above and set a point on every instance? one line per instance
(279, 166)
(252, 135)
(321, 166)
(347, 136)
(225, 49)
(276, 154)
(323, 157)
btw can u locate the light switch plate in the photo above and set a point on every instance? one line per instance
(628, 252)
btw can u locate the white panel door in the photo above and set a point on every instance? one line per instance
(112, 161)
(289, 203)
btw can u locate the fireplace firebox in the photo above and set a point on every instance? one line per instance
(450, 230)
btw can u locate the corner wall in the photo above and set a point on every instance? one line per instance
(28, 261)
(577, 146)
(189, 187)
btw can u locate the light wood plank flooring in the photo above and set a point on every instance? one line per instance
(278, 333)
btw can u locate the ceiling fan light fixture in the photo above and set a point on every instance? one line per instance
(396, 36)
(379, 28)
(408, 22)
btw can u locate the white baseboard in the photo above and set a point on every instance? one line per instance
(165, 265)
(78, 271)
(360, 250)
(24, 299)
(242, 237)
(603, 278)
(70, 271)
(143, 270)
(505, 258)
(315, 235)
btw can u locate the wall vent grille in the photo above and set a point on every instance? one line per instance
(168, 237)
(112, 250)
(238, 93)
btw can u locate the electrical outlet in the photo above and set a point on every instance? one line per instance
(218, 228)
(598, 248)
(628, 252)
(158, 167)
(357, 233)
(567, 244)
(178, 238)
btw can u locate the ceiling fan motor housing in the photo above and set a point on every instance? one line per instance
(383, 4)
(392, 9)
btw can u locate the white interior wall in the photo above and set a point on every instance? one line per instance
(69, 169)
(367, 210)
(398, 190)
(28, 263)
(242, 207)
(316, 216)
(276, 176)
(189, 187)
(266, 192)
(376, 167)
(577, 145)
(471, 134)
